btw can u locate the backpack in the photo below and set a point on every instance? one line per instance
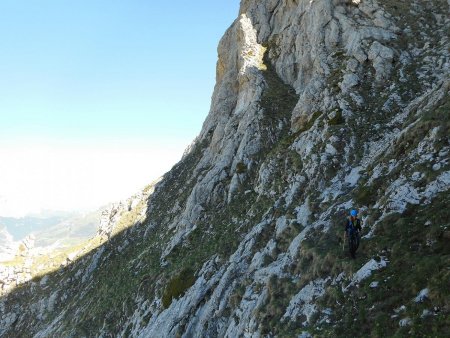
(352, 226)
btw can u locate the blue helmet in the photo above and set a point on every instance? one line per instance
(354, 213)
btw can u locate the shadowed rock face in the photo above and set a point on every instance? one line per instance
(319, 107)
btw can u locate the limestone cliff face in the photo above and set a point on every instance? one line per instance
(319, 107)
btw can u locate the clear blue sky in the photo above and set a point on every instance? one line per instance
(107, 68)
(100, 97)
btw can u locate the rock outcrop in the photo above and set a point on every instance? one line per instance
(18, 269)
(134, 208)
(319, 107)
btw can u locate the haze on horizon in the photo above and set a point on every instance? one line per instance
(100, 98)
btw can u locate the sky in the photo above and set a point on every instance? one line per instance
(98, 98)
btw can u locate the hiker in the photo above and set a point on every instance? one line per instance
(352, 232)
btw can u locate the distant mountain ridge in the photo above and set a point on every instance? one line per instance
(65, 227)
(19, 228)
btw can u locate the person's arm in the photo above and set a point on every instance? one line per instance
(359, 225)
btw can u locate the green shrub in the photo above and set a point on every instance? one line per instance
(178, 286)
(310, 122)
(241, 168)
(366, 195)
(337, 119)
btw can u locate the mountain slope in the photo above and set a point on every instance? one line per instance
(70, 231)
(22, 227)
(319, 107)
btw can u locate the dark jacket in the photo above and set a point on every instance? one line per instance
(351, 226)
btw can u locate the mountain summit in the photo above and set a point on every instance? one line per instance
(319, 107)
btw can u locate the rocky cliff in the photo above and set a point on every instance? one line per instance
(319, 107)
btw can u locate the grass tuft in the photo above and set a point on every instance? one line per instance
(177, 286)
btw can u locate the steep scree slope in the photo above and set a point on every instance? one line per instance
(319, 106)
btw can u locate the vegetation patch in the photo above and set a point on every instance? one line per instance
(241, 168)
(279, 291)
(337, 118)
(366, 195)
(311, 120)
(177, 286)
(278, 100)
(285, 238)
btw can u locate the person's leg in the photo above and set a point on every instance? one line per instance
(354, 250)
(351, 244)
